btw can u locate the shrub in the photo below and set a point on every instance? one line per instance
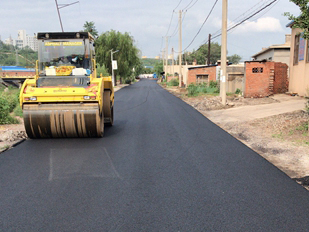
(213, 84)
(238, 91)
(18, 111)
(5, 117)
(173, 82)
(127, 81)
(192, 90)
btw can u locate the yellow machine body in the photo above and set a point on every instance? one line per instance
(67, 99)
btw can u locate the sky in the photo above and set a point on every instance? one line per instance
(149, 21)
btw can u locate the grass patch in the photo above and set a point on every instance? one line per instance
(197, 89)
(278, 136)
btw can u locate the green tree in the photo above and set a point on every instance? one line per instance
(201, 54)
(234, 59)
(301, 21)
(26, 56)
(127, 58)
(89, 27)
(158, 68)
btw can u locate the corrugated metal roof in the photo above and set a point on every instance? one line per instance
(17, 68)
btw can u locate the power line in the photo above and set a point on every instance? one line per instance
(177, 26)
(170, 24)
(192, 5)
(236, 25)
(172, 18)
(200, 27)
(188, 5)
(244, 14)
(177, 5)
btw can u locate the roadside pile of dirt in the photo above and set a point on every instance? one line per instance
(11, 134)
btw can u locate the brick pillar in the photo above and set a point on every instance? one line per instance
(271, 81)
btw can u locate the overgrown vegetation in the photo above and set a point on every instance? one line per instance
(9, 102)
(300, 21)
(25, 57)
(200, 55)
(173, 82)
(203, 88)
(124, 51)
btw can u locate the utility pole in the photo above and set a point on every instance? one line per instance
(59, 6)
(209, 46)
(173, 62)
(163, 60)
(180, 50)
(166, 55)
(223, 52)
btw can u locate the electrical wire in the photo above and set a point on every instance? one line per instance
(188, 5)
(244, 14)
(192, 5)
(241, 22)
(200, 27)
(172, 18)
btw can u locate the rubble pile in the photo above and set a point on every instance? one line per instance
(11, 136)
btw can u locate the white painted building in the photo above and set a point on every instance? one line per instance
(23, 40)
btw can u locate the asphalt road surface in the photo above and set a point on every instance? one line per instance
(162, 167)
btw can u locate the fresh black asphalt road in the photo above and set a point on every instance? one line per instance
(162, 167)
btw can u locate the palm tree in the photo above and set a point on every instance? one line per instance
(89, 27)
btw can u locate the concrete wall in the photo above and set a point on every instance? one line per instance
(299, 73)
(266, 55)
(282, 55)
(169, 69)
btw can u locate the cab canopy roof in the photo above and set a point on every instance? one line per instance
(64, 35)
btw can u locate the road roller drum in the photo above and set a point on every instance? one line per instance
(63, 120)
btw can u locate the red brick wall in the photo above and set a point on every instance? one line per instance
(210, 71)
(272, 80)
(257, 84)
(281, 81)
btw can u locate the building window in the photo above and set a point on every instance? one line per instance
(296, 49)
(201, 79)
(257, 70)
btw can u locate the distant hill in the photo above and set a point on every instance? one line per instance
(149, 62)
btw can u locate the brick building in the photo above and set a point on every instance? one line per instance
(265, 78)
(201, 74)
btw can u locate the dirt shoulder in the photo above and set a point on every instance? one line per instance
(274, 127)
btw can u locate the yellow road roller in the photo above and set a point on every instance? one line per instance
(67, 97)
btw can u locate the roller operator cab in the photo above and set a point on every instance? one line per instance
(67, 98)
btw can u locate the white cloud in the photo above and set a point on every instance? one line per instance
(267, 24)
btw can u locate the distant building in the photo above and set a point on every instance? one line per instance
(277, 53)
(9, 41)
(23, 40)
